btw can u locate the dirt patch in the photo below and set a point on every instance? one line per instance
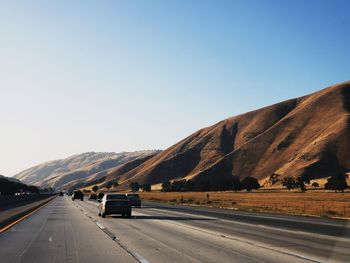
(311, 203)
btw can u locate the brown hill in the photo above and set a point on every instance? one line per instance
(78, 170)
(120, 170)
(115, 173)
(303, 136)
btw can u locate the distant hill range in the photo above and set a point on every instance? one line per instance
(309, 136)
(78, 170)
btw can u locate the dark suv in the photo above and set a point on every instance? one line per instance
(92, 197)
(134, 200)
(78, 195)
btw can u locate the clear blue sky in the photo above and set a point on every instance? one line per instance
(80, 76)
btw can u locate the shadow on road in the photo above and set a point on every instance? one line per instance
(175, 218)
(179, 218)
(163, 207)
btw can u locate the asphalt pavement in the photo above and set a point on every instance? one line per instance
(71, 231)
(59, 232)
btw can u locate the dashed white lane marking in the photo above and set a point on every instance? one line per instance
(280, 229)
(238, 239)
(136, 255)
(100, 226)
(140, 258)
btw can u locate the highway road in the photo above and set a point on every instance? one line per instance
(71, 231)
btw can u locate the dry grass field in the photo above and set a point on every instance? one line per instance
(310, 203)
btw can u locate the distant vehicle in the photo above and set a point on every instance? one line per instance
(100, 196)
(134, 200)
(61, 193)
(114, 204)
(78, 195)
(23, 193)
(92, 196)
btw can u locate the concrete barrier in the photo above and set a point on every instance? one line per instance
(10, 216)
(10, 201)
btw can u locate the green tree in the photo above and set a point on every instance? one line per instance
(33, 189)
(301, 183)
(134, 186)
(249, 183)
(302, 180)
(109, 185)
(8, 187)
(166, 186)
(337, 182)
(189, 185)
(95, 188)
(178, 186)
(289, 182)
(146, 187)
(236, 184)
(204, 185)
(221, 184)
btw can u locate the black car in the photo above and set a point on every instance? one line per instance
(134, 200)
(61, 193)
(78, 195)
(92, 197)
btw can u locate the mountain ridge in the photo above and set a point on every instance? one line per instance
(306, 135)
(79, 167)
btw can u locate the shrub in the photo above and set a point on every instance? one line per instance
(315, 185)
(236, 184)
(337, 182)
(166, 186)
(178, 186)
(134, 186)
(146, 187)
(289, 182)
(249, 183)
(109, 185)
